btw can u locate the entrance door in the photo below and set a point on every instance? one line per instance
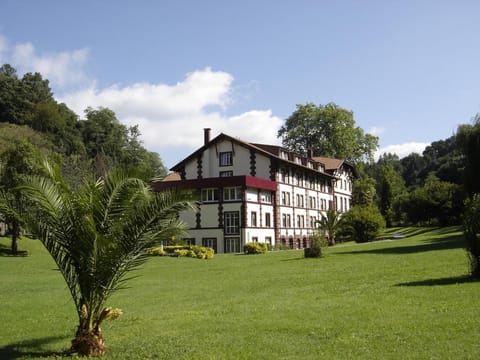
(232, 245)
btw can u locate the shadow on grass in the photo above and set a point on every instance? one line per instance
(32, 348)
(7, 251)
(442, 281)
(436, 243)
(408, 232)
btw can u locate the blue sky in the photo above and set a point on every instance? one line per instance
(409, 70)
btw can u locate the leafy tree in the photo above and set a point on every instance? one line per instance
(444, 159)
(328, 130)
(11, 104)
(471, 226)
(363, 191)
(18, 160)
(413, 166)
(362, 223)
(363, 187)
(390, 186)
(468, 138)
(96, 235)
(435, 203)
(330, 223)
(147, 165)
(103, 135)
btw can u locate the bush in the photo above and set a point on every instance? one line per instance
(318, 241)
(362, 223)
(193, 251)
(255, 248)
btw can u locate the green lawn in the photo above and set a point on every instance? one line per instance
(400, 299)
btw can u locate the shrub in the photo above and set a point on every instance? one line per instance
(318, 241)
(156, 251)
(362, 223)
(255, 248)
(193, 251)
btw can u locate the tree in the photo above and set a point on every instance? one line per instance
(413, 166)
(20, 159)
(329, 223)
(11, 103)
(471, 230)
(435, 203)
(468, 138)
(362, 223)
(329, 131)
(363, 191)
(445, 160)
(390, 186)
(96, 235)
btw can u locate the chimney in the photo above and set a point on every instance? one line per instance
(206, 136)
(309, 153)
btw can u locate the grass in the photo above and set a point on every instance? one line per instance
(405, 299)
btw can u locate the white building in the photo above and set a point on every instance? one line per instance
(257, 193)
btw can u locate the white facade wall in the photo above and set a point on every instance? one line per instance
(300, 199)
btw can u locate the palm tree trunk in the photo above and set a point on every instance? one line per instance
(89, 342)
(15, 233)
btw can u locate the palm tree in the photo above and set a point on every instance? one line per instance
(98, 234)
(330, 223)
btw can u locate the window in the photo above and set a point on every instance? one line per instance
(189, 241)
(284, 220)
(210, 242)
(284, 198)
(266, 198)
(267, 220)
(226, 173)
(226, 158)
(233, 193)
(232, 222)
(209, 195)
(268, 241)
(289, 221)
(253, 219)
(255, 239)
(232, 245)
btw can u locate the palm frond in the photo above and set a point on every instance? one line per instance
(99, 234)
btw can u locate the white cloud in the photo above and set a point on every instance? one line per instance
(403, 150)
(170, 117)
(174, 115)
(375, 130)
(62, 68)
(65, 68)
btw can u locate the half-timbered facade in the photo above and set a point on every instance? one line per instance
(257, 193)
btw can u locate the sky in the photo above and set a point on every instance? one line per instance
(409, 70)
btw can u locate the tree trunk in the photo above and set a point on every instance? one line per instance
(89, 342)
(15, 234)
